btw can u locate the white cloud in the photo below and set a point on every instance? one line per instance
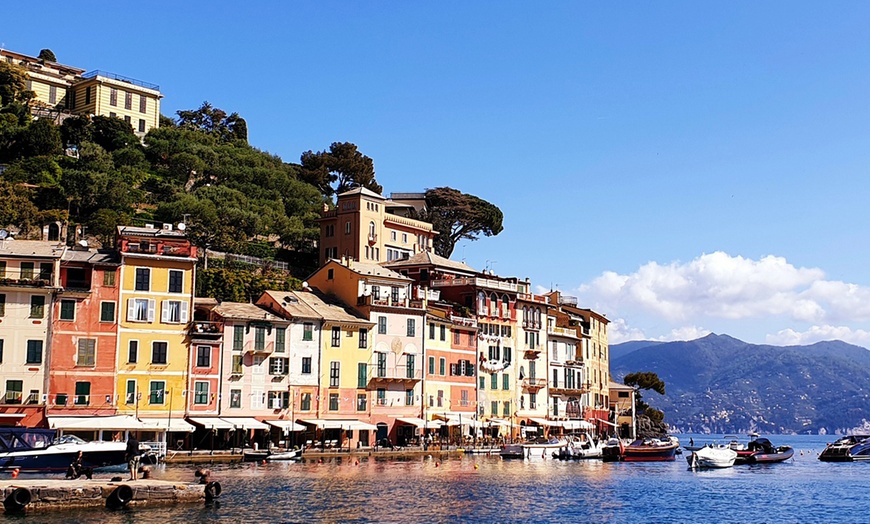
(718, 289)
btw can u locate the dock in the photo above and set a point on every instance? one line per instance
(33, 495)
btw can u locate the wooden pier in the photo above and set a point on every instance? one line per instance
(33, 494)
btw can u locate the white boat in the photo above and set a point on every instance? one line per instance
(712, 457)
(578, 447)
(543, 448)
(292, 454)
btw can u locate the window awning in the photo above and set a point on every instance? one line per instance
(113, 422)
(577, 424)
(165, 424)
(413, 421)
(339, 424)
(499, 422)
(245, 423)
(464, 421)
(211, 422)
(286, 425)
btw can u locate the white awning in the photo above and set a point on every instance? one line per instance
(577, 424)
(499, 422)
(211, 423)
(286, 425)
(165, 424)
(359, 425)
(112, 422)
(464, 421)
(413, 421)
(545, 422)
(339, 424)
(245, 423)
(606, 422)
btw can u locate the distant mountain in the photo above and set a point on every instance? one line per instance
(719, 384)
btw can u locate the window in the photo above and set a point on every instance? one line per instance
(361, 401)
(45, 271)
(83, 394)
(279, 399)
(505, 382)
(67, 309)
(87, 352)
(347, 228)
(107, 311)
(159, 352)
(174, 312)
(113, 97)
(330, 273)
(237, 364)
(382, 397)
(382, 325)
(27, 271)
(37, 306)
(279, 365)
(409, 397)
(200, 392)
(130, 397)
(362, 375)
(88, 95)
(128, 100)
(280, 340)
(533, 400)
(143, 105)
(410, 361)
(305, 402)
(442, 366)
(238, 337)
(493, 381)
(376, 292)
(1, 350)
(404, 238)
(141, 125)
(203, 356)
(14, 391)
(143, 279)
(393, 236)
(431, 365)
(308, 331)
(412, 327)
(394, 295)
(336, 337)
(333, 402)
(34, 352)
(109, 278)
(157, 391)
(431, 331)
(52, 94)
(363, 338)
(235, 398)
(494, 408)
(257, 365)
(443, 334)
(2, 304)
(334, 374)
(133, 352)
(176, 281)
(256, 399)
(306, 365)
(482, 382)
(505, 408)
(382, 364)
(259, 338)
(506, 354)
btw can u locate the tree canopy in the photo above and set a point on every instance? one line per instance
(47, 55)
(646, 380)
(456, 216)
(342, 166)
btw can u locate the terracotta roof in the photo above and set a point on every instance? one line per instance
(293, 306)
(363, 268)
(31, 248)
(313, 304)
(362, 191)
(243, 311)
(428, 258)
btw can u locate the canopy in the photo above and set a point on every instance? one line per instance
(285, 425)
(413, 421)
(464, 421)
(166, 424)
(245, 423)
(545, 422)
(111, 422)
(339, 424)
(499, 422)
(211, 423)
(577, 424)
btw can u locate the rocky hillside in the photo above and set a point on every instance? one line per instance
(719, 384)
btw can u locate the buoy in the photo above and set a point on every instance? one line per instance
(437, 464)
(18, 499)
(476, 466)
(119, 498)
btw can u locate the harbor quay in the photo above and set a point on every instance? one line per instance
(54, 494)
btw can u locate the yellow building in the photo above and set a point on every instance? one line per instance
(63, 90)
(156, 298)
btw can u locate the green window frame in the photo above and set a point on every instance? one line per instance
(362, 375)
(410, 361)
(305, 402)
(482, 382)
(83, 394)
(506, 382)
(307, 331)
(34, 352)
(87, 352)
(442, 366)
(431, 365)
(238, 338)
(37, 306)
(26, 271)
(493, 381)
(157, 392)
(2, 304)
(200, 393)
(109, 277)
(493, 408)
(67, 309)
(280, 340)
(107, 311)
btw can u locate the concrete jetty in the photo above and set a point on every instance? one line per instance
(35, 494)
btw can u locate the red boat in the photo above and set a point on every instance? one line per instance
(651, 450)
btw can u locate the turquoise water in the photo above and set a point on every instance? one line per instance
(487, 489)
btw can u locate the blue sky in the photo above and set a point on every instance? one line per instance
(681, 167)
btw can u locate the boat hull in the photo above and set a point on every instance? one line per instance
(712, 458)
(782, 454)
(637, 452)
(58, 461)
(851, 448)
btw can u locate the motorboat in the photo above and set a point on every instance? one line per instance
(40, 450)
(254, 455)
(543, 447)
(651, 450)
(512, 451)
(847, 449)
(721, 456)
(612, 450)
(579, 447)
(761, 451)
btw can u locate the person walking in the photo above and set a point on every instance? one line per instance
(132, 456)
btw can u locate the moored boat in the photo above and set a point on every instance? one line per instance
(761, 451)
(512, 451)
(712, 457)
(612, 450)
(650, 450)
(847, 449)
(35, 449)
(578, 447)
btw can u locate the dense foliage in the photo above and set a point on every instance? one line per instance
(456, 216)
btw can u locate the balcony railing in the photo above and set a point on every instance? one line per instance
(487, 283)
(12, 397)
(205, 328)
(567, 332)
(382, 301)
(252, 346)
(463, 321)
(534, 383)
(27, 282)
(395, 374)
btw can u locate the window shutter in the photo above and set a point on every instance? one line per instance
(152, 306)
(131, 309)
(164, 311)
(183, 315)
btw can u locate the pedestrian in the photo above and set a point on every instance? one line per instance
(132, 456)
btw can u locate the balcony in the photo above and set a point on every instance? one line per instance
(397, 374)
(159, 248)
(565, 332)
(382, 301)
(204, 329)
(534, 384)
(560, 387)
(25, 282)
(253, 347)
(463, 321)
(486, 283)
(373, 238)
(428, 294)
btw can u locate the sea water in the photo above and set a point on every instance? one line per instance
(489, 489)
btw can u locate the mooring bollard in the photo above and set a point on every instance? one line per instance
(120, 497)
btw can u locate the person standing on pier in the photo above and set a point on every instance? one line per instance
(132, 456)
